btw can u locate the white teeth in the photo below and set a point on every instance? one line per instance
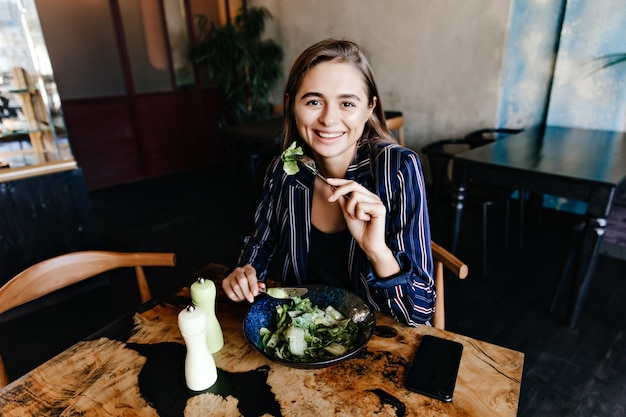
(329, 135)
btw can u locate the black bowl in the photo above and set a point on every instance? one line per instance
(263, 314)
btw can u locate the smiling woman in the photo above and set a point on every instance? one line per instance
(369, 232)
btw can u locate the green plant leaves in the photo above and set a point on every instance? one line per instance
(239, 64)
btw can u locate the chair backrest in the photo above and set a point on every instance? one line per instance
(443, 258)
(396, 123)
(440, 155)
(62, 271)
(484, 136)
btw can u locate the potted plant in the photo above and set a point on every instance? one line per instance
(239, 64)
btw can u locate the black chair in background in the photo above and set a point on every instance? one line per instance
(613, 245)
(440, 158)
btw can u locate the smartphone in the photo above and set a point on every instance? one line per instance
(435, 368)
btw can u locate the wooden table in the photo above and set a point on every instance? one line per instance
(580, 164)
(252, 144)
(134, 367)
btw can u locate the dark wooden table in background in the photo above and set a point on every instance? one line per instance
(252, 144)
(579, 164)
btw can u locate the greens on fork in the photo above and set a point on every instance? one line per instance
(290, 158)
(294, 155)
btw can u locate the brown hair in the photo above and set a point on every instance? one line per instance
(335, 51)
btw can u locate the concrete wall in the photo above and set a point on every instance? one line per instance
(439, 61)
(456, 66)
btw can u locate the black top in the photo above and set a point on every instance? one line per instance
(328, 258)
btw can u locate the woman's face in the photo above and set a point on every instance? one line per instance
(331, 108)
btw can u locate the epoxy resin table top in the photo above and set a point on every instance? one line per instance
(135, 367)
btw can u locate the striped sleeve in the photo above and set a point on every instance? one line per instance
(410, 295)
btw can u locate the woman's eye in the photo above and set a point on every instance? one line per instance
(313, 103)
(348, 104)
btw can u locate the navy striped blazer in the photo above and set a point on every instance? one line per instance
(283, 224)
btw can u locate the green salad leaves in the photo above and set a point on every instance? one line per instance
(290, 158)
(306, 333)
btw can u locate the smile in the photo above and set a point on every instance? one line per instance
(329, 135)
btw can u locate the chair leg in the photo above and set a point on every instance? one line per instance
(4, 379)
(507, 222)
(566, 274)
(560, 286)
(439, 317)
(142, 283)
(522, 216)
(484, 237)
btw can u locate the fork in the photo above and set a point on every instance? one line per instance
(309, 164)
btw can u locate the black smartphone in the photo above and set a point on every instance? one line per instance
(435, 368)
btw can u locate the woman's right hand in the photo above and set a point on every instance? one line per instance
(242, 284)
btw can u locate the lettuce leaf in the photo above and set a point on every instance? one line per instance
(290, 158)
(305, 332)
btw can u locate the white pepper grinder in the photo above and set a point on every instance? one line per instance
(203, 294)
(200, 369)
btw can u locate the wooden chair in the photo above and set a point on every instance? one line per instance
(395, 122)
(62, 271)
(443, 258)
